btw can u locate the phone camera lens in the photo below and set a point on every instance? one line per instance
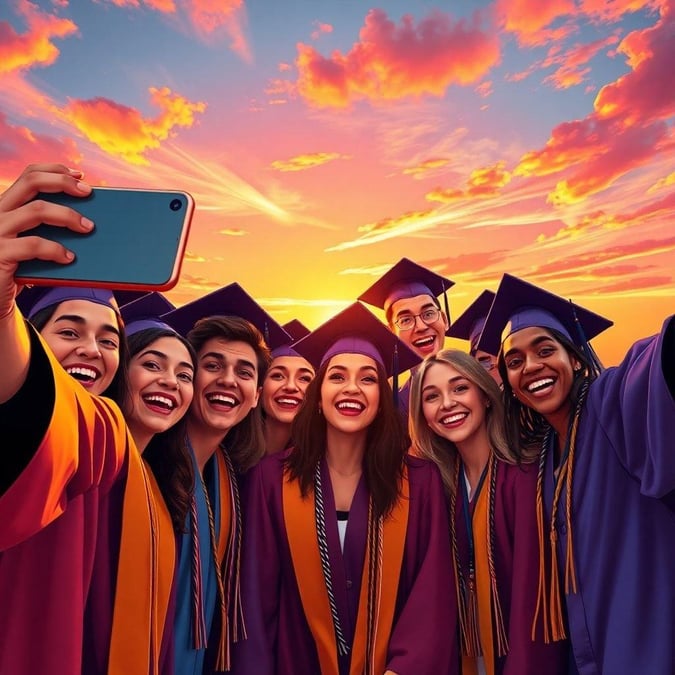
(175, 204)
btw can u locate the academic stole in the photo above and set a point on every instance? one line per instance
(300, 522)
(478, 612)
(145, 571)
(225, 546)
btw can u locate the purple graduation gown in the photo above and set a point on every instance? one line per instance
(622, 620)
(516, 557)
(60, 527)
(424, 633)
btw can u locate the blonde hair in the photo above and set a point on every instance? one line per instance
(426, 443)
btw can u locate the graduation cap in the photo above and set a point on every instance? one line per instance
(356, 330)
(296, 329)
(519, 304)
(144, 313)
(470, 324)
(33, 299)
(231, 300)
(406, 279)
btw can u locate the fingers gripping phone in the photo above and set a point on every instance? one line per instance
(138, 240)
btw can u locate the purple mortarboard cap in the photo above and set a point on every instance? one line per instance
(31, 300)
(519, 304)
(125, 297)
(470, 324)
(144, 313)
(406, 279)
(296, 329)
(356, 330)
(231, 300)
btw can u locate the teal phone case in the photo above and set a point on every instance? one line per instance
(138, 240)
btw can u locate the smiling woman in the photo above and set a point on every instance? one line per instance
(343, 566)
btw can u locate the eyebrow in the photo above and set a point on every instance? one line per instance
(426, 305)
(75, 318)
(450, 381)
(219, 357)
(534, 343)
(162, 355)
(302, 369)
(339, 367)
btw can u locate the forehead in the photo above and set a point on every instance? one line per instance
(412, 305)
(352, 361)
(523, 338)
(171, 347)
(291, 363)
(230, 350)
(92, 312)
(440, 372)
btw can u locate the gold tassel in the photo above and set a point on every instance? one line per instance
(541, 590)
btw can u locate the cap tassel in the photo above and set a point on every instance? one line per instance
(394, 368)
(588, 351)
(266, 333)
(445, 303)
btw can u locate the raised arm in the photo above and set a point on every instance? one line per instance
(19, 212)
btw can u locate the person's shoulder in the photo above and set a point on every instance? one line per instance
(421, 470)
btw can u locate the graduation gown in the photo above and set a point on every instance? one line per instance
(622, 619)
(423, 636)
(516, 560)
(61, 521)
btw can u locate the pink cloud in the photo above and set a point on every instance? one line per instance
(21, 146)
(392, 62)
(627, 127)
(530, 20)
(320, 29)
(35, 47)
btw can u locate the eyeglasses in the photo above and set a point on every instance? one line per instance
(407, 322)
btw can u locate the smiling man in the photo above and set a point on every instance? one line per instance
(224, 440)
(408, 293)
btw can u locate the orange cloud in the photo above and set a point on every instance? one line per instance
(575, 68)
(284, 67)
(303, 162)
(35, 47)
(387, 224)
(606, 12)
(233, 232)
(484, 89)
(320, 29)
(666, 181)
(391, 62)
(482, 183)
(529, 20)
(424, 167)
(628, 126)
(123, 131)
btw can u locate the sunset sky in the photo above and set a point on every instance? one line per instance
(322, 141)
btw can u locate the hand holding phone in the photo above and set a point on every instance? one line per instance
(138, 240)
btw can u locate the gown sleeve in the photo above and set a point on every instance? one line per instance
(424, 635)
(260, 581)
(634, 407)
(83, 446)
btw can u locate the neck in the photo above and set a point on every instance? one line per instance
(204, 442)
(344, 452)
(277, 435)
(141, 437)
(560, 421)
(475, 453)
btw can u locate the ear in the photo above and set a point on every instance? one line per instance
(446, 323)
(576, 364)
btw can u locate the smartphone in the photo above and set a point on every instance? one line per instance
(138, 240)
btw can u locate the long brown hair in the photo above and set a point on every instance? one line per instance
(166, 453)
(444, 453)
(386, 444)
(245, 441)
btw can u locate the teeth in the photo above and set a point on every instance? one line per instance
(351, 405)
(82, 373)
(162, 400)
(424, 341)
(288, 401)
(540, 384)
(222, 398)
(451, 419)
